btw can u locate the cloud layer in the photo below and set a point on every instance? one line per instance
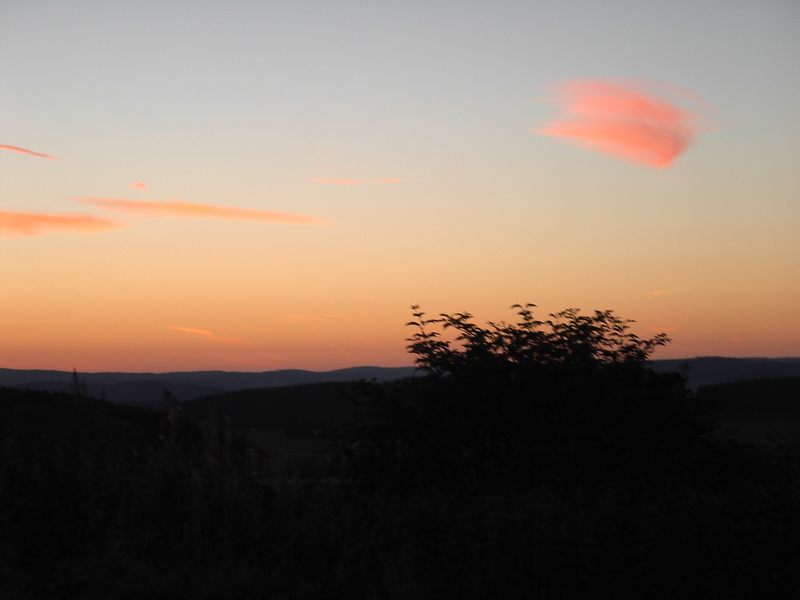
(25, 151)
(622, 121)
(25, 224)
(178, 208)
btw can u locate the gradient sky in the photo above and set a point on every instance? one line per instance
(262, 185)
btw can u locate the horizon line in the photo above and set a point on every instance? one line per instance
(79, 371)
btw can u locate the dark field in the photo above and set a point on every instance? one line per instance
(104, 501)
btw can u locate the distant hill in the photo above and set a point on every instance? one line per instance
(775, 397)
(299, 409)
(144, 393)
(757, 410)
(35, 424)
(147, 388)
(707, 370)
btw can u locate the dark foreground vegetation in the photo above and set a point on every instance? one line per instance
(535, 460)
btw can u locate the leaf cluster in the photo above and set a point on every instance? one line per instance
(566, 338)
(569, 400)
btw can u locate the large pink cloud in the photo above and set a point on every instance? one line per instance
(19, 224)
(622, 120)
(178, 208)
(25, 151)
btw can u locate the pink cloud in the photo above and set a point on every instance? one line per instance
(622, 121)
(347, 181)
(210, 335)
(25, 224)
(25, 151)
(178, 208)
(140, 185)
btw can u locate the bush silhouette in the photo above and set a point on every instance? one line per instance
(569, 400)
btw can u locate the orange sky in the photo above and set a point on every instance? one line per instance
(267, 188)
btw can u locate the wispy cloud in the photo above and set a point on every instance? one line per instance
(25, 151)
(659, 294)
(140, 186)
(300, 317)
(345, 181)
(622, 120)
(26, 224)
(178, 208)
(210, 335)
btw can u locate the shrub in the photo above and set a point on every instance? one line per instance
(567, 401)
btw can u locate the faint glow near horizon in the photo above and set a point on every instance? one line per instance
(335, 167)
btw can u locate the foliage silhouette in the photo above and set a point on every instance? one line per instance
(569, 400)
(566, 339)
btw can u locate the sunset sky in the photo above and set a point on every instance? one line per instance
(264, 185)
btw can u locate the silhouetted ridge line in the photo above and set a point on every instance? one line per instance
(146, 388)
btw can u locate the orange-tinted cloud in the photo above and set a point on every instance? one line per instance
(178, 208)
(25, 151)
(622, 121)
(300, 317)
(140, 185)
(19, 224)
(347, 181)
(659, 293)
(210, 335)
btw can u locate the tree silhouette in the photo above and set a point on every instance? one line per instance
(567, 338)
(569, 400)
(78, 385)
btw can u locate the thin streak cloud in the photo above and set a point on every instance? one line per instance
(26, 224)
(178, 208)
(345, 181)
(315, 317)
(622, 121)
(140, 186)
(659, 294)
(209, 335)
(26, 152)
